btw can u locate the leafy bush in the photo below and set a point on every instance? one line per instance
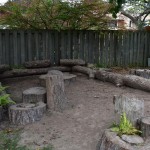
(4, 98)
(9, 141)
(125, 127)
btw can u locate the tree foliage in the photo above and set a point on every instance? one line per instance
(136, 10)
(48, 14)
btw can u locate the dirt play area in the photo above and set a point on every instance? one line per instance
(81, 125)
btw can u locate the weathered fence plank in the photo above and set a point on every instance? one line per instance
(107, 48)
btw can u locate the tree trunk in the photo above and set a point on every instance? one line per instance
(34, 95)
(137, 82)
(37, 64)
(56, 98)
(114, 78)
(4, 68)
(72, 62)
(132, 106)
(145, 127)
(22, 114)
(84, 70)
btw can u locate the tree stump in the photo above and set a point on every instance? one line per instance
(37, 64)
(114, 78)
(85, 70)
(110, 141)
(132, 106)
(56, 98)
(137, 82)
(25, 113)
(145, 126)
(72, 62)
(34, 95)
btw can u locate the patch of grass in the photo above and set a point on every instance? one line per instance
(9, 141)
(125, 127)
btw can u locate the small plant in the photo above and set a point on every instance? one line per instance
(4, 98)
(125, 127)
(9, 141)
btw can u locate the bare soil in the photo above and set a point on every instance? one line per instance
(81, 125)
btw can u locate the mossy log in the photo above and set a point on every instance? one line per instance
(114, 78)
(4, 68)
(25, 113)
(72, 62)
(37, 64)
(85, 70)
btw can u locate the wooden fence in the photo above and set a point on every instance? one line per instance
(106, 48)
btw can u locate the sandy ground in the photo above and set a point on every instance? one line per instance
(80, 126)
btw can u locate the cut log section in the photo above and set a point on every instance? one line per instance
(22, 114)
(145, 127)
(84, 70)
(114, 78)
(68, 78)
(110, 141)
(4, 68)
(37, 64)
(137, 82)
(34, 95)
(132, 106)
(72, 62)
(56, 98)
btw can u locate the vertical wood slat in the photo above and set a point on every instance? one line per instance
(109, 48)
(1, 52)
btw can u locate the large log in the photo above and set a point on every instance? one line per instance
(56, 98)
(23, 72)
(72, 62)
(137, 82)
(22, 114)
(145, 126)
(4, 68)
(132, 106)
(114, 78)
(110, 141)
(34, 95)
(85, 70)
(37, 64)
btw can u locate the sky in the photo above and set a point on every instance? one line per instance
(3, 1)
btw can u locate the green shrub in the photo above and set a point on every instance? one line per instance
(4, 98)
(125, 127)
